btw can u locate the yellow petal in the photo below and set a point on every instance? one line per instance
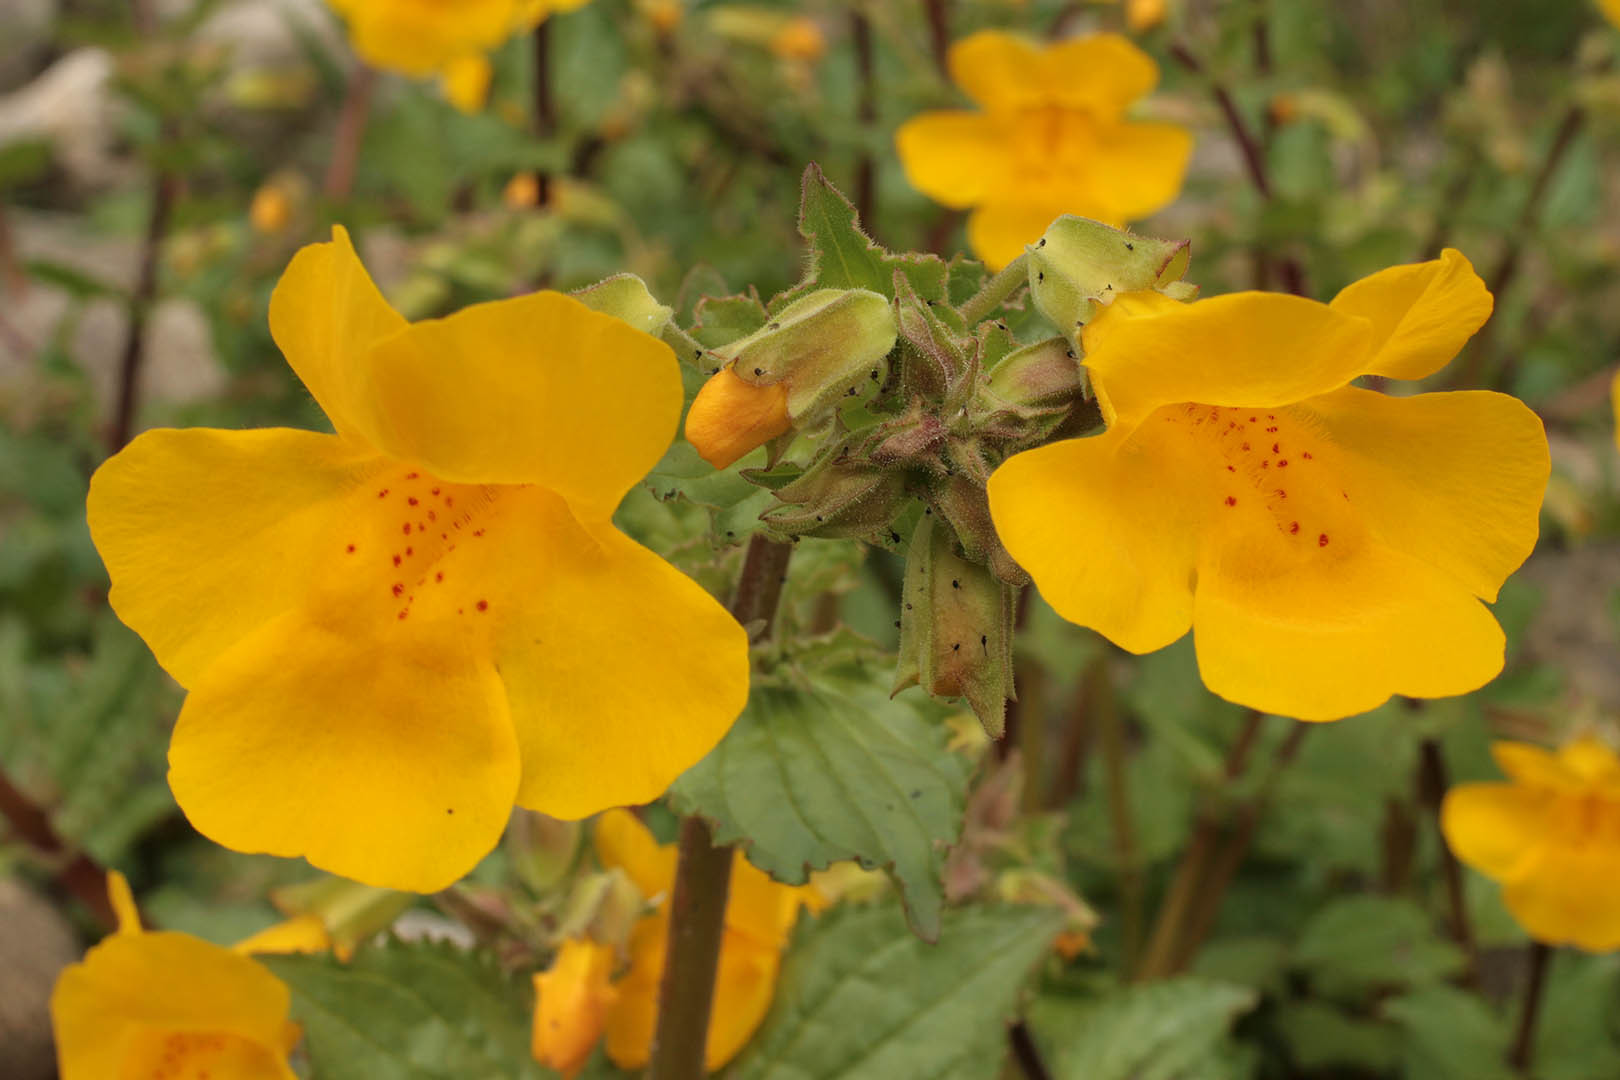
(999, 231)
(744, 986)
(1611, 10)
(302, 934)
(538, 389)
(210, 534)
(1592, 759)
(466, 81)
(759, 907)
(1102, 73)
(325, 314)
(418, 37)
(622, 841)
(621, 671)
(134, 994)
(389, 760)
(1421, 313)
(954, 157)
(1534, 766)
(1569, 893)
(1494, 827)
(730, 417)
(1129, 501)
(572, 999)
(123, 903)
(1455, 479)
(1335, 636)
(1137, 169)
(1246, 349)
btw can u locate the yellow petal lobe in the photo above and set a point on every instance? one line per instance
(623, 842)
(302, 934)
(1494, 827)
(729, 417)
(123, 903)
(466, 81)
(1421, 314)
(956, 158)
(572, 999)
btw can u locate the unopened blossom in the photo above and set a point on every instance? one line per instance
(571, 1002)
(1050, 138)
(392, 633)
(1328, 545)
(169, 1006)
(1550, 834)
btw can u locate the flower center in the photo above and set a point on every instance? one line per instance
(407, 548)
(1273, 483)
(1052, 148)
(193, 1055)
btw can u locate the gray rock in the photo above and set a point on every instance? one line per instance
(36, 943)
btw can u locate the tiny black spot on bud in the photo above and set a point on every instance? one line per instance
(955, 584)
(957, 647)
(698, 353)
(1040, 276)
(776, 326)
(1129, 246)
(1070, 353)
(759, 371)
(897, 624)
(1042, 242)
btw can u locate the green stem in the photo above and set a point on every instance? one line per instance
(1524, 1041)
(703, 871)
(979, 306)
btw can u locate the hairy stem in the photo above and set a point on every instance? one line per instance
(703, 873)
(979, 306)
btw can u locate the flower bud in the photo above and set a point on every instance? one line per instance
(572, 998)
(542, 848)
(955, 627)
(838, 498)
(1028, 393)
(790, 373)
(1079, 264)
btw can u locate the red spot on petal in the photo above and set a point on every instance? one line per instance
(399, 589)
(404, 612)
(411, 501)
(1245, 446)
(412, 476)
(1293, 527)
(409, 552)
(383, 494)
(1306, 455)
(435, 491)
(1275, 447)
(479, 532)
(449, 500)
(351, 549)
(1281, 494)
(407, 528)
(432, 516)
(1282, 463)
(439, 576)
(1322, 541)
(1231, 468)
(1270, 430)
(396, 560)
(1231, 500)
(483, 605)
(1254, 419)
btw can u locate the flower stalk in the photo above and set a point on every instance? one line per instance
(1524, 1039)
(979, 306)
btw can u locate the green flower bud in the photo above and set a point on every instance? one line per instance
(1080, 263)
(1028, 393)
(839, 497)
(626, 297)
(955, 627)
(542, 848)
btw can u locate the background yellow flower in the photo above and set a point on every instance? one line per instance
(1051, 138)
(1550, 834)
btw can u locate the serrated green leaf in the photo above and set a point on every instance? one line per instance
(844, 257)
(420, 1011)
(1156, 1031)
(720, 320)
(808, 777)
(860, 998)
(1320, 1036)
(1361, 942)
(1449, 1035)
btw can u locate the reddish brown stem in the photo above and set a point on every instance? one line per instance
(545, 104)
(939, 33)
(76, 872)
(351, 131)
(141, 300)
(1524, 1039)
(1432, 782)
(865, 170)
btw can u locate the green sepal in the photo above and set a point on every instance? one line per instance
(933, 359)
(955, 627)
(839, 497)
(720, 320)
(825, 344)
(627, 298)
(1080, 263)
(1027, 394)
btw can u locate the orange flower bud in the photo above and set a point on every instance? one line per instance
(571, 1003)
(730, 417)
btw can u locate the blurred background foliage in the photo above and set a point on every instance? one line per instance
(166, 172)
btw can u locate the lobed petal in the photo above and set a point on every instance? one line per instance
(325, 315)
(208, 535)
(1340, 635)
(624, 843)
(134, 989)
(300, 934)
(1109, 528)
(1421, 313)
(1534, 766)
(956, 158)
(387, 759)
(1569, 894)
(418, 37)
(1137, 169)
(1592, 759)
(538, 389)
(1455, 479)
(572, 999)
(1100, 73)
(1494, 827)
(123, 903)
(759, 907)
(1246, 349)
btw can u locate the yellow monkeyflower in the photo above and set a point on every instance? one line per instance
(1328, 546)
(391, 634)
(1611, 10)
(571, 1003)
(1051, 139)
(169, 1006)
(1550, 835)
(759, 915)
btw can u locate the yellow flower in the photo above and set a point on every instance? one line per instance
(572, 999)
(1328, 545)
(1051, 139)
(168, 1005)
(759, 915)
(271, 210)
(466, 81)
(1611, 10)
(799, 39)
(426, 37)
(1551, 836)
(1144, 15)
(391, 634)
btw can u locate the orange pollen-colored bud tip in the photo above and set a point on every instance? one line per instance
(730, 417)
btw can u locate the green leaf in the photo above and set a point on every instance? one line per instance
(1156, 1031)
(808, 777)
(1320, 1037)
(724, 319)
(1450, 1035)
(862, 999)
(1362, 942)
(420, 1011)
(844, 257)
